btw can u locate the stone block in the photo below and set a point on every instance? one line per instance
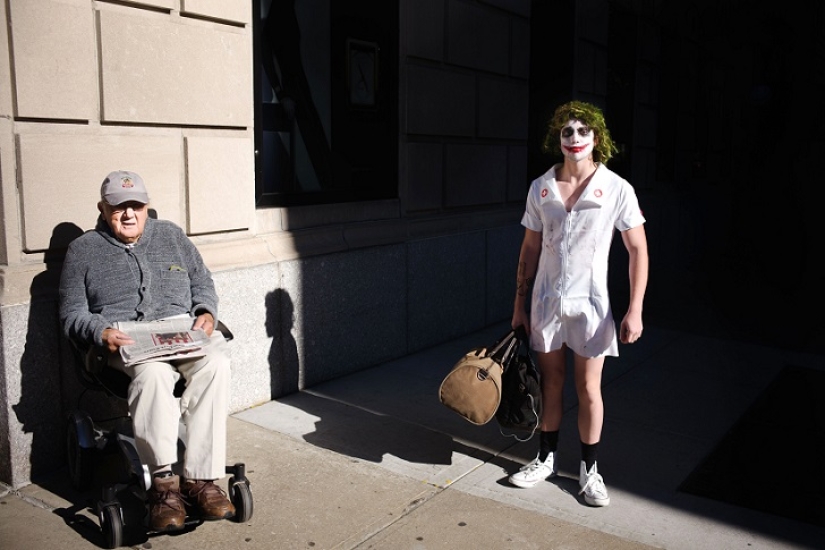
(229, 10)
(440, 102)
(54, 59)
(63, 165)
(159, 70)
(520, 7)
(520, 48)
(220, 171)
(476, 174)
(308, 217)
(350, 310)
(35, 423)
(447, 288)
(6, 110)
(10, 234)
(478, 37)
(423, 28)
(601, 73)
(593, 20)
(503, 248)
(377, 233)
(518, 181)
(424, 176)
(165, 4)
(245, 307)
(502, 107)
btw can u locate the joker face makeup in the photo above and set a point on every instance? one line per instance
(577, 140)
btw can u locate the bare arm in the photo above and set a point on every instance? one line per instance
(635, 242)
(527, 265)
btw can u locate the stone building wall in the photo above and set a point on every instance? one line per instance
(165, 88)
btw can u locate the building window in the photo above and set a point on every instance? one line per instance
(326, 123)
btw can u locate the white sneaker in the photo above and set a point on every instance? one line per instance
(531, 474)
(592, 485)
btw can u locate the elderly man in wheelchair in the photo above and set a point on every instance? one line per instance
(134, 268)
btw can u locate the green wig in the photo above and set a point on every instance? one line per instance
(587, 114)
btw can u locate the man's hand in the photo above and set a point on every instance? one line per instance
(520, 319)
(115, 339)
(206, 322)
(631, 328)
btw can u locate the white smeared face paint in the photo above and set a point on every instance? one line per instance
(577, 140)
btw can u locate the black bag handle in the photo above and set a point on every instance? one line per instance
(520, 338)
(503, 349)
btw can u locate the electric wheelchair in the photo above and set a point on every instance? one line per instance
(87, 442)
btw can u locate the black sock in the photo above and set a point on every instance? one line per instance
(589, 453)
(548, 443)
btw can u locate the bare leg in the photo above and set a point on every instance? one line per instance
(552, 367)
(588, 373)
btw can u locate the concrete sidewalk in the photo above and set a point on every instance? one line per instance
(374, 461)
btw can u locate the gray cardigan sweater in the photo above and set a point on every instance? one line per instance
(104, 281)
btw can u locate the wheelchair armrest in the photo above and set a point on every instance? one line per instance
(91, 359)
(227, 334)
(96, 359)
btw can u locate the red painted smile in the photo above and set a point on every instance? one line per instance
(577, 149)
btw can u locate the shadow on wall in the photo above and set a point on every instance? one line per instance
(40, 410)
(284, 367)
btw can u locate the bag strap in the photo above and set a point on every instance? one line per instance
(518, 340)
(533, 431)
(504, 348)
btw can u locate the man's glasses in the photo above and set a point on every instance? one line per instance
(123, 207)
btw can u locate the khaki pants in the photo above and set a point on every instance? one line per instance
(203, 408)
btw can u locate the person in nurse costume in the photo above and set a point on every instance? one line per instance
(572, 213)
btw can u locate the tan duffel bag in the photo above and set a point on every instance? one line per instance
(473, 387)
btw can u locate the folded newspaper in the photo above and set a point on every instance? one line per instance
(163, 340)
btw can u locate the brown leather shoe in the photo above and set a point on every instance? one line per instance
(210, 499)
(167, 510)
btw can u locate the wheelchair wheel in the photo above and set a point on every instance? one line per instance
(241, 497)
(80, 459)
(111, 525)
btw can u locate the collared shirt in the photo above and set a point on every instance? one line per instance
(570, 298)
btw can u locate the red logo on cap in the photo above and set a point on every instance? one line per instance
(126, 182)
(543, 193)
(598, 193)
